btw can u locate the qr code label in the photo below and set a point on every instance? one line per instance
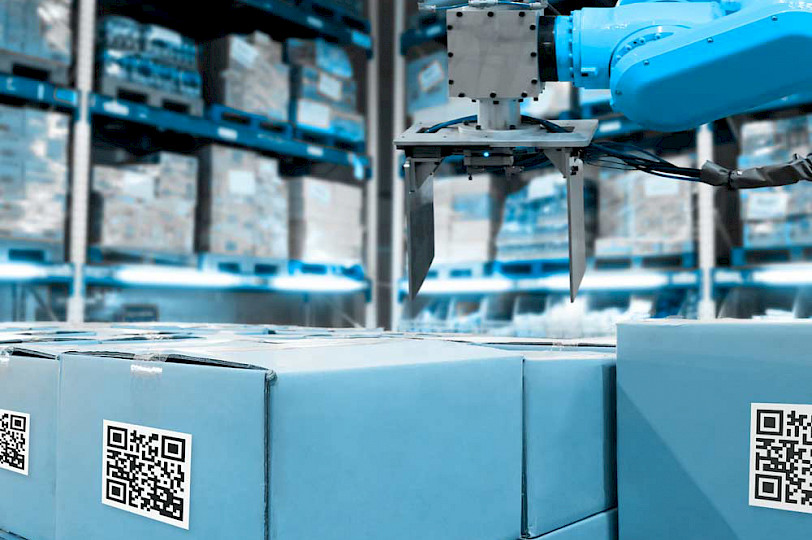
(147, 471)
(15, 435)
(781, 457)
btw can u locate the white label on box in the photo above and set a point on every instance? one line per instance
(243, 52)
(15, 436)
(242, 183)
(313, 114)
(147, 471)
(138, 185)
(766, 205)
(431, 76)
(319, 192)
(330, 86)
(661, 187)
(780, 453)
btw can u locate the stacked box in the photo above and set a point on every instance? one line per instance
(147, 206)
(427, 78)
(535, 224)
(326, 221)
(714, 430)
(244, 204)
(148, 55)
(38, 28)
(324, 91)
(776, 216)
(466, 215)
(641, 214)
(247, 73)
(33, 174)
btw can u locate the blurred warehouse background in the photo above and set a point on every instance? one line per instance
(238, 167)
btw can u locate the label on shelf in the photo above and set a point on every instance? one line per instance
(227, 133)
(315, 151)
(434, 30)
(114, 107)
(315, 22)
(611, 126)
(361, 39)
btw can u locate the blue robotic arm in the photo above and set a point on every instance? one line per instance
(670, 66)
(673, 66)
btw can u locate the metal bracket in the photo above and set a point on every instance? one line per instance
(567, 162)
(420, 219)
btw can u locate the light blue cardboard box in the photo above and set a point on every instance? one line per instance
(570, 429)
(29, 381)
(570, 463)
(600, 527)
(334, 439)
(705, 418)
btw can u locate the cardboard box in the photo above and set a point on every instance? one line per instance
(693, 446)
(247, 73)
(335, 439)
(325, 221)
(243, 204)
(570, 435)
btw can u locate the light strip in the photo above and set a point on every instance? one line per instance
(798, 275)
(472, 286)
(178, 277)
(21, 272)
(603, 281)
(324, 284)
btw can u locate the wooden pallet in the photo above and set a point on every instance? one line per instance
(228, 116)
(685, 259)
(31, 251)
(746, 256)
(30, 67)
(322, 138)
(136, 93)
(243, 265)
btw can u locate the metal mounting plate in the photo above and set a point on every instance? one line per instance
(583, 131)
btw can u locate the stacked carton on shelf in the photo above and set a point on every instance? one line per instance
(535, 223)
(244, 204)
(641, 214)
(466, 218)
(779, 216)
(325, 221)
(39, 29)
(33, 174)
(247, 73)
(324, 90)
(148, 56)
(147, 206)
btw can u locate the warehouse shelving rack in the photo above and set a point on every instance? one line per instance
(707, 281)
(307, 18)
